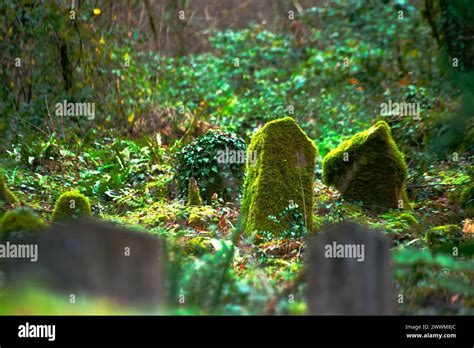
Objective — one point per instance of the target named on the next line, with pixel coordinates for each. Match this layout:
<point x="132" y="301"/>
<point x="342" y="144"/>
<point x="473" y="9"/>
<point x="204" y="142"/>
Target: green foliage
<point x="201" y="217"/>
<point x="330" y="69"/>
<point x="6" y="195"/>
<point x="408" y="218"/>
<point x="197" y="246"/>
<point x="422" y="274"/>
<point x="466" y="198"/>
<point x="53" y="59"/>
<point x="198" y="221"/>
<point x="448" y="234"/>
<point x="71" y="205"/>
<point x="283" y="172"/>
<point x="295" y="229"/>
<point x="120" y="162"/>
<point x="368" y="168"/>
<point x="200" y="160"/>
<point x="202" y="282"/>
<point x="454" y="131"/>
<point x="401" y="226"/>
<point x="20" y="220"/>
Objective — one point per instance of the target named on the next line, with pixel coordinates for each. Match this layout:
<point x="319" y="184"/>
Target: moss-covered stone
<point x="194" y="196"/>
<point x="163" y="217"/>
<point x="198" y="221"/>
<point x="71" y="205"/>
<point x="200" y="217"/>
<point x="283" y="172"/>
<point x="450" y="234"/>
<point x="197" y="246"/>
<point x="6" y="195"/>
<point x="369" y="168"/>
<point x="20" y="220"/>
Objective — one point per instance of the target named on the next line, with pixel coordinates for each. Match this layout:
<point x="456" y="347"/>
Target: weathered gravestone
<point x="283" y="173"/>
<point x="369" y="168"/>
<point x="88" y="258"/>
<point x="349" y="272"/>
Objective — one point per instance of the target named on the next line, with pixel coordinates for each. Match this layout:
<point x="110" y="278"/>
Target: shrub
<point x="71" y="205"/>
<point x="199" y="160"/>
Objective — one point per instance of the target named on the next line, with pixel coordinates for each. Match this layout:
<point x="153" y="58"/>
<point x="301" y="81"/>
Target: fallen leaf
<point x="468" y="226"/>
<point x="354" y="81"/>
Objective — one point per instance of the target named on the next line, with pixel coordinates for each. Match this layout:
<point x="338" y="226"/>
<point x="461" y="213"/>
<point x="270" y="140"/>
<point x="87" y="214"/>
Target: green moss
<point x="20" y="220"/>
<point x="194" y="196"/>
<point x="463" y="198"/>
<point x="163" y="218"/>
<point x="466" y="199"/>
<point x="198" y="221"/>
<point x="6" y="195"/>
<point x="368" y="168"/>
<point x="200" y="217"/>
<point x="71" y="205"/>
<point x="196" y="246"/>
<point x="408" y="218"/>
<point x="283" y="172"/>
<point x="450" y="234"/>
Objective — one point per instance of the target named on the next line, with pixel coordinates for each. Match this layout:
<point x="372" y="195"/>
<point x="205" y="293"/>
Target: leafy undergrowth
<point x="331" y="69"/>
<point x="260" y="276"/>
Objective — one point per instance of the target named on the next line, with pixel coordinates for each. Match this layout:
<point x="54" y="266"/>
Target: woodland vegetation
<point x="125" y="107"/>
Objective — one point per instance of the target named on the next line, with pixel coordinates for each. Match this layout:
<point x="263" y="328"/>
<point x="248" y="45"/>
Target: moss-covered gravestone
<point x="369" y="168"/>
<point x="21" y="220"/>
<point x="71" y="205"/>
<point x="282" y="172"/>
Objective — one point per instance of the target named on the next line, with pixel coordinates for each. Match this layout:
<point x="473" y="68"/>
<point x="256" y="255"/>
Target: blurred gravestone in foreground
<point x="349" y="272"/>
<point x="88" y="258"/>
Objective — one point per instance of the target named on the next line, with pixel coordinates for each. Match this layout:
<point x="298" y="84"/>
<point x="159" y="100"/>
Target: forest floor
<point x="261" y="274"/>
